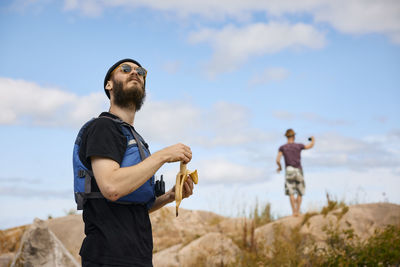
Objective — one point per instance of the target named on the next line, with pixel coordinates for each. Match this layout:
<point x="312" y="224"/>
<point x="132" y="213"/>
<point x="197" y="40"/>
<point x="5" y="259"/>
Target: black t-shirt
<point x="116" y="234"/>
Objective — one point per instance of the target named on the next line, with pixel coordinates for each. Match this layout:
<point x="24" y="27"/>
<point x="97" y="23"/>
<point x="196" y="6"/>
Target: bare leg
<point x="298" y="204"/>
<point x="293" y="204"/>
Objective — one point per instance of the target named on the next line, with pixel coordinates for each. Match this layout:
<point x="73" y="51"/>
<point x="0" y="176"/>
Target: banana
<point x="181" y="177"/>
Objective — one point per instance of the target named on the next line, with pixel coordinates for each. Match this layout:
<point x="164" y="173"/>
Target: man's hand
<point x="169" y="196"/>
<point x="278" y="161"/>
<point x="178" y="152"/>
<point x="311" y="144"/>
<point x="187" y="190"/>
<point x="279" y="169"/>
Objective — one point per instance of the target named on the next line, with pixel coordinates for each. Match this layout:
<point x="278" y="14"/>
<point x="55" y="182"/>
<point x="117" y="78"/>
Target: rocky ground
<point x="193" y="237"/>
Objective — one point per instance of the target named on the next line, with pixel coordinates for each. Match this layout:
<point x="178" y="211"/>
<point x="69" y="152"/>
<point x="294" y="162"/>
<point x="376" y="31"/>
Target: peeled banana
<point x="181" y="177"/>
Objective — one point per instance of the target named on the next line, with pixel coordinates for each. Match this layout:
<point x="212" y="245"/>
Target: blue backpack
<point x="136" y="151"/>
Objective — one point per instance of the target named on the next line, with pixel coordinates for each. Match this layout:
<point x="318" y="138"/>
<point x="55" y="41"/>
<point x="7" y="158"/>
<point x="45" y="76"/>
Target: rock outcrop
<point x="10" y="241"/>
<point x="193" y="238"/>
<point x="364" y="219"/>
<point x="212" y="249"/>
<point x="70" y="231"/>
<point x="40" y="247"/>
<point x="169" y="230"/>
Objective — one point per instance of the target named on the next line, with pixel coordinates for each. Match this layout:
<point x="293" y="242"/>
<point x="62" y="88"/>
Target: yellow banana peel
<point x="181" y="177"/>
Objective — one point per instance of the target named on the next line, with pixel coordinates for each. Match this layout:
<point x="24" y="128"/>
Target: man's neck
<point x="290" y="140"/>
<point x="125" y="114"/>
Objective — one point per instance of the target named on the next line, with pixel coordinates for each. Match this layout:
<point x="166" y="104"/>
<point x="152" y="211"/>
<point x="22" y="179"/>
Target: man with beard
<point x="113" y="164"/>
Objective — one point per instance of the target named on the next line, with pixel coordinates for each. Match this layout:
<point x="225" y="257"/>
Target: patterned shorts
<point x="294" y="181"/>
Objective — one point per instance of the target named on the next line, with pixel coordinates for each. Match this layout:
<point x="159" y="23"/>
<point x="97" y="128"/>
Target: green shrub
<point x="344" y="248"/>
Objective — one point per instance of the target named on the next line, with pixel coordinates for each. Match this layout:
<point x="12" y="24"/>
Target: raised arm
<point x="278" y="161"/>
<point x="311" y="144"/>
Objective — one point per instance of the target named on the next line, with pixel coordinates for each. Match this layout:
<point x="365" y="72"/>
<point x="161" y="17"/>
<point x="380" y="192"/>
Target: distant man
<point x="294" y="180"/>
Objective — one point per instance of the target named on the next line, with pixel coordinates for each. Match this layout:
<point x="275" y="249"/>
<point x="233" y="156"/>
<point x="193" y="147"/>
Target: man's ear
<point x="109" y="85"/>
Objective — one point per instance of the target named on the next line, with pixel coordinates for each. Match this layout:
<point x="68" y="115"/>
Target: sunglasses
<point x="126" y="68"/>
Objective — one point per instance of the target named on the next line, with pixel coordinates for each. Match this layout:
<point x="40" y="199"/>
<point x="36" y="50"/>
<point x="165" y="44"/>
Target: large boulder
<point x="212" y="249"/>
<point x="169" y="230"/>
<point x="6" y="259"/>
<point x="40" y="247"/>
<point x="70" y="231"/>
<point x="364" y="219"/>
<point x="167" y="257"/>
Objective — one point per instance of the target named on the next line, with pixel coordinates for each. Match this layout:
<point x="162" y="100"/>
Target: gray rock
<point x="212" y="249"/>
<point x="6" y="259"/>
<point x="40" y="247"/>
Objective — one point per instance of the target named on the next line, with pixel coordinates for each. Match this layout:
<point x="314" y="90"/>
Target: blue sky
<point x="225" y="77"/>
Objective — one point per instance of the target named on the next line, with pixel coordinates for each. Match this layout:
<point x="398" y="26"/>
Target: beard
<point x="128" y="97"/>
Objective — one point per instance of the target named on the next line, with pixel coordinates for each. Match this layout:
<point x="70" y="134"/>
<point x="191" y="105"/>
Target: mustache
<point x="134" y="78"/>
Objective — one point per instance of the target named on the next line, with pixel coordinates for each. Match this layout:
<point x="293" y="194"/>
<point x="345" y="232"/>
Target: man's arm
<point x="169" y="197"/>
<point x="278" y="161"/>
<point x="115" y="182"/>
<point x="311" y="144"/>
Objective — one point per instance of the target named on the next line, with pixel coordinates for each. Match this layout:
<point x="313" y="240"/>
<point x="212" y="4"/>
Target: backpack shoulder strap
<point x="139" y="141"/>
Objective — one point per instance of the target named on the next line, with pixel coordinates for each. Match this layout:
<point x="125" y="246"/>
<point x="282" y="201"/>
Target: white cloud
<point x="391" y="136"/>
<point x="172" y="67"/>
<point x="26" y="102"/>
<point x="362" y="17"/>
<point x="31" y="192"/>
<point x="381" y="119"/>
<point x="348" y="16"/>
<point x="225" y="124"/>
<point x="228" y="116"/>
<point x="233" y="45"/>
<point x="214" y="10"/>
<point x="313" y="117"/>
<point x="390" y="142"/>
<point x="19" y="180"/>
<point x="356" y="186"/>
<point x="310" y="117"/>
<point x="90" y="8"/>
<point x="221" y="171"/>
<point x="35" y="6"/>
<point x="70" y="4"/>
<point x="168" y="122"/>
<point x="283" y="115"/>
<point x="333" y="142"/>
<point x="269" y="75"/>
<point x="337" y="151"/>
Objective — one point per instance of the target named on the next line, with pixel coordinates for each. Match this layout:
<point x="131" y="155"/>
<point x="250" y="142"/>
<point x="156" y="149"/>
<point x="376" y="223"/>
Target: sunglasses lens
<point x="141" y="71"/>
<point x="126" y="68"/>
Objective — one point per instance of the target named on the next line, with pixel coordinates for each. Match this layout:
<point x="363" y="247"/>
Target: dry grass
<point x="291" y="247"/>
<point x="332" y="205"/>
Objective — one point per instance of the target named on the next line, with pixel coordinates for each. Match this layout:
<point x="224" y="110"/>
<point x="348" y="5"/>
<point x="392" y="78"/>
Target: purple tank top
<point x="292" y="154"/>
